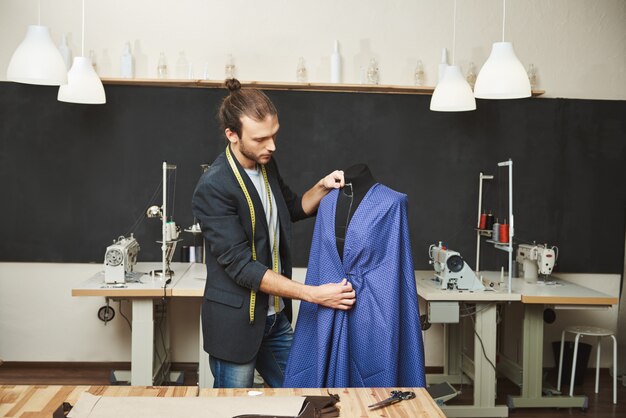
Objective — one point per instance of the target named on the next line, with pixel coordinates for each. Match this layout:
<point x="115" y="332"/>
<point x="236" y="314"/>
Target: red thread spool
<point x="504" y="232"/>
<point x="483" y="221"/>
<point x="489" y="221"/>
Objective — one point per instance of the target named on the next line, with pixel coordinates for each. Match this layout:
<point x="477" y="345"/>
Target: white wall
<point x="578" y="46"/>
<point x="41" y="321"/>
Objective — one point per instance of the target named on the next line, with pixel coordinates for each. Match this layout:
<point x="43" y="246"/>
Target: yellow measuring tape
<point x="231" y="161"/>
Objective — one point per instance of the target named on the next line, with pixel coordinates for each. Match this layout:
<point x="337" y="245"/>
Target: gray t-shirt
<point x="271" y="217"/>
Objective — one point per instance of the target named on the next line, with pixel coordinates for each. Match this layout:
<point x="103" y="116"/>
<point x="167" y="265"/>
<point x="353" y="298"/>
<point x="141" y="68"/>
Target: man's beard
<point x="249" y="155"/>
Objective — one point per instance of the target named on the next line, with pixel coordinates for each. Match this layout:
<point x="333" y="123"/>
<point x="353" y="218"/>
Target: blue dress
<point x="378" y="343"/>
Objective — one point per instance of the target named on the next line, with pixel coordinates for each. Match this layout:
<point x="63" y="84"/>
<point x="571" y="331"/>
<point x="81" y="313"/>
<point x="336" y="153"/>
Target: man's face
<point x="257" y="142"/>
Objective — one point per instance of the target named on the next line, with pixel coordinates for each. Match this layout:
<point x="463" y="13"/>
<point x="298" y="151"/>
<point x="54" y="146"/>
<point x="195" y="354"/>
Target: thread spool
<point x="504" y="232"/>
<point x="489" y="221"/>
<point x="192" y="254"/>
<point x="482" y="224"/>
<point x="184" y="254"/>
<point x="495" y="234"/>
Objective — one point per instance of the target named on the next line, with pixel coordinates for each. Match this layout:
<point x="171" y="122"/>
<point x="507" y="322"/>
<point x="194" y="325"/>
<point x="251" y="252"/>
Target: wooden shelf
<point x="268" y="85"/>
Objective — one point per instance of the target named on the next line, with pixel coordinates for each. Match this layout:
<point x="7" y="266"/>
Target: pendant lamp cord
<point x="454" y="33"/>
<point x="83" y="34"/>
<point x="503" y="17"/>
<point x="162" y="24"/>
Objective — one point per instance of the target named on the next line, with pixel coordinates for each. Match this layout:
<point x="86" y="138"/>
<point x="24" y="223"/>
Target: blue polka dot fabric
<point x="378" y="343"/>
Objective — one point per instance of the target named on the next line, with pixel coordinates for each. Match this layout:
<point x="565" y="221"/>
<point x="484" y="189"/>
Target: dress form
<point x="358" y="180"/>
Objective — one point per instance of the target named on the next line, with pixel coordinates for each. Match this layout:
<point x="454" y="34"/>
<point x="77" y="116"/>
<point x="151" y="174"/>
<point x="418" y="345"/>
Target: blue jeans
<point x="270" y="361"/>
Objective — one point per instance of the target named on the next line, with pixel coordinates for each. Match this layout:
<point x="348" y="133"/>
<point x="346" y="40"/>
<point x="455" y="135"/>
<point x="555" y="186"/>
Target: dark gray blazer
<point x="220" y="206"/>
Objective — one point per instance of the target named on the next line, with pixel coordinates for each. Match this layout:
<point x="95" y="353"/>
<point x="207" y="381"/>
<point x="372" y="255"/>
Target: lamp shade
<point x="453" y="93"/>
<point x="37" y="60"/>
<point x="503" y="76"/>
<point x="83" y="84"/>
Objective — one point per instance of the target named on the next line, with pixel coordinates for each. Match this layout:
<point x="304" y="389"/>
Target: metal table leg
<point x="142" y="342"/>
<point x="205" y="377"/>
<point x="532" y="374"/>
<point x="483" y="372"/>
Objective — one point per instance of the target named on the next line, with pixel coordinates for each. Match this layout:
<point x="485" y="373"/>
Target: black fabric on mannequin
<point x="359" y="180"/>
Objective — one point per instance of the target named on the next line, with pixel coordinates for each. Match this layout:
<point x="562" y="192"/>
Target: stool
<point x="590" y="331"/>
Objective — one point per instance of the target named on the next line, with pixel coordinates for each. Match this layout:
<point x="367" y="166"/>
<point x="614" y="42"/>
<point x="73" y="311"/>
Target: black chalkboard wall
<point x="74" y="177"/>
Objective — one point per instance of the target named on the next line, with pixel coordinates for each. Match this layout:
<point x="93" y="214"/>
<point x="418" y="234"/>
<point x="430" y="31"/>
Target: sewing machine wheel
<point x="106" y="313"/>
<point x="455" y="263"/>
<point x="114" y="257"/>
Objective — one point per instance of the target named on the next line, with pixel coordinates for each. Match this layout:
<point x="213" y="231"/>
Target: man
<point x="245" y="211"/>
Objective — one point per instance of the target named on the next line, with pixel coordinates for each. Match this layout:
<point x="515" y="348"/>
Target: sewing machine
<point x="451" y="270"/>
<point x="120" y="259"/>
<point x="534" y="260"/>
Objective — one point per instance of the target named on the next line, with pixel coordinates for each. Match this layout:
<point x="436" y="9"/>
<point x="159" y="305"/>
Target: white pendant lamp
<point x="503" y="76"/>
<point x="37" y="59"/>
<point x="453" y="93"/>
<point x="83" y="84"/>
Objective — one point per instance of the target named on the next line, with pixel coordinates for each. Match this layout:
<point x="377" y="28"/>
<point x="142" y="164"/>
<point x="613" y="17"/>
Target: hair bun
<point x="233" y="85"/>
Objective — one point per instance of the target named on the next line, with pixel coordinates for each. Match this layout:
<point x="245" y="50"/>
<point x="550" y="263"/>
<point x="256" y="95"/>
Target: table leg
<point x="532" y="374"/>
<point x="142" y="343"/>
<point x="485" y="339"/>
<point x="452" y="372"/>
<point x="484" y="373"/>
<point x="205" y="377"/>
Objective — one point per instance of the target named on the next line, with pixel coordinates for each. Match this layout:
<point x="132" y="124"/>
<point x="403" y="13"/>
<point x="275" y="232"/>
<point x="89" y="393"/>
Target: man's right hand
<point x="334" y="295"/>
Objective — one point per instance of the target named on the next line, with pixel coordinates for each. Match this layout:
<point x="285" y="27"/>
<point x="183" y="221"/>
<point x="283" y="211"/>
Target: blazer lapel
<point x="254" y="196"/>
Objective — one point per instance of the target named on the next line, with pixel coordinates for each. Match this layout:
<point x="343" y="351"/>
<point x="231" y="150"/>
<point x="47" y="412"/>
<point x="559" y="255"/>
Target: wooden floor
<point x="600" y="405"/>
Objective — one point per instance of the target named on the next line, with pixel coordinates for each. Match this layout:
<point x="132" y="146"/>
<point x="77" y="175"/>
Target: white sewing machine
<point x="451" y="270"/>
<point x="534" y="260"/>
<point x="120" y="258"/>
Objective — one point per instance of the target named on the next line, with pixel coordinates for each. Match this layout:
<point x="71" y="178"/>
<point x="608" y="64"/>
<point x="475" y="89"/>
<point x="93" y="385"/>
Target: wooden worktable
<point x="560" y="292"/>
<point x="40" y="401"/>
<point x="354" y="401"/>
<point x="31" y="401"/>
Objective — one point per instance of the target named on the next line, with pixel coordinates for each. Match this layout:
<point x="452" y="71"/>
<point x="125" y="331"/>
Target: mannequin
<point x="377" y="343"/>
<point x="359" y="180"/>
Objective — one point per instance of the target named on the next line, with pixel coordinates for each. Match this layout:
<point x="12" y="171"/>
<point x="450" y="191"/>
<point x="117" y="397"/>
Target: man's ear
<point x="232" y="137"/>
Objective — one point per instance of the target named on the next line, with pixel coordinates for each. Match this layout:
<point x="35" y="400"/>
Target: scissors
<point x="396" y="396"/>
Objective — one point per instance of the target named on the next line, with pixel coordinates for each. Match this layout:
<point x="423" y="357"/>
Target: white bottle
<point x="419" y="75"/>
<point x="162" y="66"/>
<point x="92" y="58"/>
<point x="127" y="68"/>
<point x="373" y="75"/>
<point x="182" y="66"/>
<point x="190" y="73"/>
<point x="205" y="74"/>
<point x="335" y="65"/>
<point x="443" y="64"/>
<point x="66" y="52"/>
<point x="229" y="68"/>
<point x="471" y="75"/>
<point x="301" y="75"/>
<point x="532" y="76"/>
